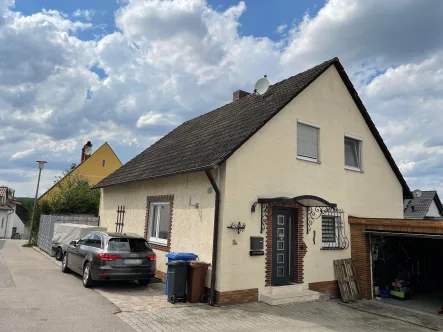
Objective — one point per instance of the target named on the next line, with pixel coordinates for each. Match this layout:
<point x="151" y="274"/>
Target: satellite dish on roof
<point x="261" y="86"/>
<point x="417" y="193"/>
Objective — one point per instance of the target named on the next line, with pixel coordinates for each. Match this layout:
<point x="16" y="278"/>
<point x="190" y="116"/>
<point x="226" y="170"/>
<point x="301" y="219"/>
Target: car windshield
<point x="125" y="244"/>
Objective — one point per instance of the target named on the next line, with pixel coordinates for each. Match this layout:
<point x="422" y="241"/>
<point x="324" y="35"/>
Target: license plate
<point x="132" y="261"/>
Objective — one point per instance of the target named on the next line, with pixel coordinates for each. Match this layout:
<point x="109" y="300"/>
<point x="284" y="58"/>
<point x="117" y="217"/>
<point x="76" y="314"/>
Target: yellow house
<point x="93" y="166"/>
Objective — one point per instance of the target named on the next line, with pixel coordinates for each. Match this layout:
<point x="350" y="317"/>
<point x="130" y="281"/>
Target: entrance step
<point x="288" y="294"/>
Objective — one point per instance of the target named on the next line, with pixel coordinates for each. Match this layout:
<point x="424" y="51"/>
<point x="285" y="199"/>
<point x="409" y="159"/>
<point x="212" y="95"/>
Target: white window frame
<point x="155" y="239"/>
<point x="309" y="124"/>
<point x="360" y="142"/>
<point x="337" y="230"/>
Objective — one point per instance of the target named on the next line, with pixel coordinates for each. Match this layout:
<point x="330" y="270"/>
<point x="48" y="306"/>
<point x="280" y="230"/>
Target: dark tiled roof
<point x="210" y="139"/>
<point x="417" y="207"/>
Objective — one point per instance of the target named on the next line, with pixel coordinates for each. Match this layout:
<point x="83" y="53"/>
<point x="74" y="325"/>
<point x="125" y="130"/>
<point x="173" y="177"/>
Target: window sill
<point x="158" y="243"/>
<point x="332" y="248"/>
<point x="354" y="169"/>
<point x="315" y="161"/>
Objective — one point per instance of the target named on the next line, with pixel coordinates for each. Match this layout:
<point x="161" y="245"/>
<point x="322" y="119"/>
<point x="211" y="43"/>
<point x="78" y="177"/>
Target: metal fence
<point x="46" y="227"/>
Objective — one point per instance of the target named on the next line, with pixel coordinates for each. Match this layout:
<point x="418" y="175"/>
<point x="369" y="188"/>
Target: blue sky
<point x="260" y="19"/>
<point x="129" y="71"/>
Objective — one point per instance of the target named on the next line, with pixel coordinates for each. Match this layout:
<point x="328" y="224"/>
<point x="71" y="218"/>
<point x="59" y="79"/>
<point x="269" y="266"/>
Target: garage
<point x="399" y="261"/>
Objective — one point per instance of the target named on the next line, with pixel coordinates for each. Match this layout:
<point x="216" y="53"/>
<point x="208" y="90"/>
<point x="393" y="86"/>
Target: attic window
<point x="307" y="142"/>
<point x="352" y="154"/>
<point x="103" y="163"/>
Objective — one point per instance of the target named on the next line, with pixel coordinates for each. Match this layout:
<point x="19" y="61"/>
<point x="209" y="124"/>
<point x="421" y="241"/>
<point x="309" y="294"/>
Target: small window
<point x="3" y="220"/>
<point x="307" y="142"/>
<point x="352" y="154"/>
<point x="329" y="235"/>
<point x="103" y="163"/>
<point x="159" y="222"/>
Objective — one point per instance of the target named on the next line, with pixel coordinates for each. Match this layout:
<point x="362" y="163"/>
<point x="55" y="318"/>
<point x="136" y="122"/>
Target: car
<point x="103" y="256"/>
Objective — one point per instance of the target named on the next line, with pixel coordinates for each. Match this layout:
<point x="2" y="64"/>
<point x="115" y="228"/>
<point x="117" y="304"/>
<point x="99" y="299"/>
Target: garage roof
<point x="402" y="234"/>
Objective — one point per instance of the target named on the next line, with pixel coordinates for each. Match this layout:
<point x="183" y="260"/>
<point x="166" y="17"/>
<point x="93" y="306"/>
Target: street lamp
<point x="41" y="163"/>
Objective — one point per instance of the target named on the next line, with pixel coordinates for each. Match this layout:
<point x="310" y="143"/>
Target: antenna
<point x="261" y="86"/>
<point x="417" y="193"/>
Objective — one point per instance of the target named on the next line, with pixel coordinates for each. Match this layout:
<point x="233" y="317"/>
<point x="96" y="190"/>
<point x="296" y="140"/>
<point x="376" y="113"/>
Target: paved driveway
<point x="146" y="309"/>
<point x="36" y="296"/>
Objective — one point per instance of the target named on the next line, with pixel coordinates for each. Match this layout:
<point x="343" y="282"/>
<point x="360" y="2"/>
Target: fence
<point x="46" y="228"/>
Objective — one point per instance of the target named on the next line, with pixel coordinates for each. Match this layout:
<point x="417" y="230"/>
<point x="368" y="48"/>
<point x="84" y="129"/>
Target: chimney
<point x="86" y="151"/>
<point x="239" y="94"/>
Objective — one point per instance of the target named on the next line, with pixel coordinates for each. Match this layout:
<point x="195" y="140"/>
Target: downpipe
<point x="215" y="235"/>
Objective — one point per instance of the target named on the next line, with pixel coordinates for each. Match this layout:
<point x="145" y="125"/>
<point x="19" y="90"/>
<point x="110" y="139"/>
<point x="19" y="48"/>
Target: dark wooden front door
<point x="282" y="255"/>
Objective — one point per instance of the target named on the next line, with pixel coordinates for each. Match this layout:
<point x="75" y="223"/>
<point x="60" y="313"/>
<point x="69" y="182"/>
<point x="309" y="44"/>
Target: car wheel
<point x="144" y="282"/>
<point x="65" y="268"/>
<point x="173" y="299"/>
<point x="59" y="254"/>
<point x="87" y="281"/>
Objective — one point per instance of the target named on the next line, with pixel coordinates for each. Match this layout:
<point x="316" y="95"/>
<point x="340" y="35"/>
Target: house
<point x="93" y="166"/>
<point x="262" y="188"/>
<point x="424" y="205"/>
<point x="12" y="215"/>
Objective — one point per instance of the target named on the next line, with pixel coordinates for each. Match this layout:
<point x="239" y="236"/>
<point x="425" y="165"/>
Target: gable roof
<point x="418" y="207"/>
<point x="82" y="163"/>
<point x="210" y="139"/>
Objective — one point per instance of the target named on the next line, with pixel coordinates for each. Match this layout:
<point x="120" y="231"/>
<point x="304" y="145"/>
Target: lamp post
<point x="41" y="163"/>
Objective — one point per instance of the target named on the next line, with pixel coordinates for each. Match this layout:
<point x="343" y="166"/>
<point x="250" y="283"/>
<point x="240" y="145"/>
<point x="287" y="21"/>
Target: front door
<point x="282" y="255"/>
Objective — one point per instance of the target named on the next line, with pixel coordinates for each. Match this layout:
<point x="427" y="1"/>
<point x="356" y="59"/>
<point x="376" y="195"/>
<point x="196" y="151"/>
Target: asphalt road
<point x="36" y="296"/>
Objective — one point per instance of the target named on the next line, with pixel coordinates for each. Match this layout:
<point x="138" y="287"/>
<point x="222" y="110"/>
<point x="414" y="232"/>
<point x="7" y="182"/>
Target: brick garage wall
<point x="237" y="296"/>
<point x="163" y="199"/>
<point x="360" y="250"/>
<point x="326" y="287"/>
<point x="298" y="245"/>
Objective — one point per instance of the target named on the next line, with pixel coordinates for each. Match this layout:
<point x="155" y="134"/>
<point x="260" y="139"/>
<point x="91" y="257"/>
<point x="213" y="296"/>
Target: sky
<point x="127" y="72"/>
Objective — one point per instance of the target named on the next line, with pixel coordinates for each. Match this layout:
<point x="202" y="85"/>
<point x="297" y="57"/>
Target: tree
<point x="74" y="195"/>
<point x="65" y="172"/>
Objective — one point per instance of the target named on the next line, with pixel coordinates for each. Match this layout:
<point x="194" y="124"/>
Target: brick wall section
<point x="298" y="245"/>
<point x="360" y="250"/>
<point x="165" y="199"/>
<point x="237" y="296"/>
<point x="326" y="287"/>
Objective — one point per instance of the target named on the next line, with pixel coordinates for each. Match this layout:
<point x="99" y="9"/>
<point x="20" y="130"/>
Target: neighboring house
<point x="290" y="166"/>
<point x="93" y="166"/>
<point x="12" y="215"/>
<point x="426" y="206"/>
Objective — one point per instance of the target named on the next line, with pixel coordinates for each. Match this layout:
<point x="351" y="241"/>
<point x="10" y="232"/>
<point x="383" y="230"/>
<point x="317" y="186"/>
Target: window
<point x="95" y="241"/>
<point x="103" y="163"/>
<point x="330" y="235"/>
<point x="2" y="200"/>
<point x="352" y="154"/>
<point x="3" y="220"/>
<point x="307" y="142"/>
<point x="159" y="222"/>
<point x="84" y="239"/>
<point x="127" y="244"/>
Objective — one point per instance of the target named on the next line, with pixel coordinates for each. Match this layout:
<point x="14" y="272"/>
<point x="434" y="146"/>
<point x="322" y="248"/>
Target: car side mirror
<point x="73" y="243"/>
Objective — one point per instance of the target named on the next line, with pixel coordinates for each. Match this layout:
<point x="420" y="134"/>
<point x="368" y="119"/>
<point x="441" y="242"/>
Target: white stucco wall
<point x="433" y="210"/>
<point x="266" y="166"/>
<point x="9" y="222"/>
<point x="192" y="228"/>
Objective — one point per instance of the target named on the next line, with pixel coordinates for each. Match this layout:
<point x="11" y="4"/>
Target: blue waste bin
<point x="178" y="256"/>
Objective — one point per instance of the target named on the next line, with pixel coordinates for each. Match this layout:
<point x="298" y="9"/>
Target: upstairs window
<point x="352" y="154"/>
<point x="103" y="163"/>
<point x="307" y="142"/>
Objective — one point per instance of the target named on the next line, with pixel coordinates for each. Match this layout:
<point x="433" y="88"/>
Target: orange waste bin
<point x="196" y="280"/>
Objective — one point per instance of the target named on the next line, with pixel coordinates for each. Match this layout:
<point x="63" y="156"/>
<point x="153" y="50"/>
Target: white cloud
<point x="281" y="28"/>
<point x="172" y="60"/>
<point x="85" y="13"/>
<point x="22" y="154"/>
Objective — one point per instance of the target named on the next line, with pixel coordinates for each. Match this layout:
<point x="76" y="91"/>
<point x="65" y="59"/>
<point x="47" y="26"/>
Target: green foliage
<point x="65" y="172"/>
<point x="27" y="245"/>
<point x="74" y="195"/>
